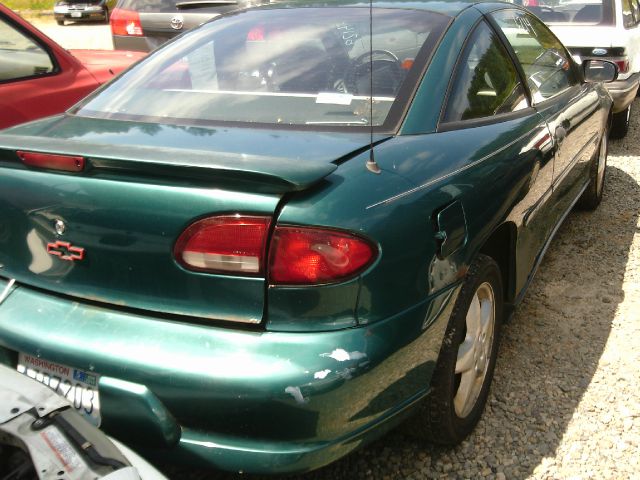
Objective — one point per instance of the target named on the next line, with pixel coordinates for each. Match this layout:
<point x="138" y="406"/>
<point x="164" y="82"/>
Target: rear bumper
<point x="256" y="401"/>
<point x="98" y="15"/>
<point x="623" y="92"/>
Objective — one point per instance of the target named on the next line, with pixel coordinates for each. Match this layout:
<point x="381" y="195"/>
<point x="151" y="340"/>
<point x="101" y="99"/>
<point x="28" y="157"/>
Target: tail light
<point x="224" y="244"/>
<point x="236" y="244"/>
<point x="125" y="22"/>
<point x="623" y="65"/>
<point x="66" y="163"/>
<point x="305" y="256"/>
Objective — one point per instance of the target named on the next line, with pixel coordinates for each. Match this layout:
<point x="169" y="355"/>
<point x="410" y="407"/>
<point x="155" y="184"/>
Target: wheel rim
<point x="602" y="163"/>
<point x="628" y="115"/>
<point x="474" y="353"/>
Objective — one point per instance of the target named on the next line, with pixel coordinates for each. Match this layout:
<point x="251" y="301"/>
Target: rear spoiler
<point x="274" y="174"/>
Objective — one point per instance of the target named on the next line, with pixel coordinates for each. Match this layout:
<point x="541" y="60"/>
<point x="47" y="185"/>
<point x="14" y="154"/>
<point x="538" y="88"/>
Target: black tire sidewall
<point x="484" y="269"/>
<point x="620" y="123"/>
<point x="592" y="197"/>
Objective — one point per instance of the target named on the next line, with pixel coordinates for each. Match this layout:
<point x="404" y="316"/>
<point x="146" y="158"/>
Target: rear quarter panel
<point x="491" y="170"/>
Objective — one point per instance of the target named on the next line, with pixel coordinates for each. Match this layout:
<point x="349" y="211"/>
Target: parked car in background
<point x="80" y="10"/>
<point x="39" y="78"/>
<point x="282" y="233"/>
<point x="145" y="24"/>
<point x="601" y="29"/>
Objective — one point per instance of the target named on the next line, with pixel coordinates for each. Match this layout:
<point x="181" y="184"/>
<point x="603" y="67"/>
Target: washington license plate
<point x="79" y="387"/>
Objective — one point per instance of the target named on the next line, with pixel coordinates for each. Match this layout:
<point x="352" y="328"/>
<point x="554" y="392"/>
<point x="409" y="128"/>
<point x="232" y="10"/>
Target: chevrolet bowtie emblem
<point x="65" y="251"/>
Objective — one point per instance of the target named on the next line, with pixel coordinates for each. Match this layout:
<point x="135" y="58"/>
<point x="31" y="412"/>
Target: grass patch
<point x="29" y="4"/>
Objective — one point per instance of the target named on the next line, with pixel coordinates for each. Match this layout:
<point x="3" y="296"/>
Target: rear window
<point x="280" y="67"/>
<point x="161" y="6"/>
<point x="579" y="12"/>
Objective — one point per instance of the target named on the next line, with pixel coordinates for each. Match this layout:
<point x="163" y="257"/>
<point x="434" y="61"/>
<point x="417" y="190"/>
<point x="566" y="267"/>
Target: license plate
<point x="76" y="14"/>
<point x="79" y="387"/>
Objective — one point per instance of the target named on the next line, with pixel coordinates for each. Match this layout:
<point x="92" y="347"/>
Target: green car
<point x="281" y="234"/>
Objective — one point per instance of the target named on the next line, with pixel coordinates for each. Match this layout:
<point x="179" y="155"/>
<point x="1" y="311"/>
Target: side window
<point x="485" y="82"/>
<point x="636" y="11"/>
<point x="546" y="63"/>
<point x="20" y="56"/>
<point x="629" y="14"/>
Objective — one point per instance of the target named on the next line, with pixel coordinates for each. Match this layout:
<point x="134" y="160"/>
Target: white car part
<point x="57" y="441"/>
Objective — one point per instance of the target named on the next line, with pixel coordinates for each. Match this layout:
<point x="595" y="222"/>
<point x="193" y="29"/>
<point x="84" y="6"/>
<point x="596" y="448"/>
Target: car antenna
<point x="372" y="166"/>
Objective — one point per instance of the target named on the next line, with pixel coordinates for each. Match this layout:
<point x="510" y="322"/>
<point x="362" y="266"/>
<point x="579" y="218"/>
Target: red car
<point x="38" y="77"/>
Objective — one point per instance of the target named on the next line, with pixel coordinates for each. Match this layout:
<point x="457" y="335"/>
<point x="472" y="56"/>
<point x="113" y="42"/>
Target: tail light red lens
<point x="224" y="244"/>
<point x="623" y="65"/>
<point x="125" y="22"/>
<point x="305" y="256"/>
<point x="66" y="163"/>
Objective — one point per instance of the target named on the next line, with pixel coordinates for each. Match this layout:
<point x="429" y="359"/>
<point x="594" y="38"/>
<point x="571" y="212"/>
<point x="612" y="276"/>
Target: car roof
<point x="449" y="8"/>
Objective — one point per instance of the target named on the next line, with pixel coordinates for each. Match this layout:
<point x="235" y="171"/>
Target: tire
<point x="106" y="15"/>
<point x="445" y="417"/>
<point x="592" y="196"/>
<point x="60" y="22"/>
<point x="620" y="123"/>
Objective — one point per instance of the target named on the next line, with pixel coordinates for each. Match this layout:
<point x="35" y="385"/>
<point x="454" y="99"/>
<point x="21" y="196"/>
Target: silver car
<point x="144" y="25"/>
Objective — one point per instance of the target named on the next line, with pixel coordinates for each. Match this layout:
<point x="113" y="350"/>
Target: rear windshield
<point x="171" y="6"/>
<point x="280" y="66"/>
<point x="148" y="5"/>
<point x="580" y="12"/>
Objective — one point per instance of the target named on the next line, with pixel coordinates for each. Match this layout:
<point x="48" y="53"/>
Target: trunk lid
<point x="105" y="64"/>
<point x="142" y="185"/>
<point x="588" y="36"/>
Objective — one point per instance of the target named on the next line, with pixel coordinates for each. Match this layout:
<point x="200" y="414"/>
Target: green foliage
<point x="35" y="5"/>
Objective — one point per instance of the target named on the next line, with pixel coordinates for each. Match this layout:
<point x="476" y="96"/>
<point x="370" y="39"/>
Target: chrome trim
<point x="177" y="22"/>
<point x="7" y="290"/>
<point x="448" y="175"/>
<point x="60" y="227"/>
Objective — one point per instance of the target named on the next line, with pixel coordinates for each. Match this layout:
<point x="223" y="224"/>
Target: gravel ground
<point x="565" y="401"/>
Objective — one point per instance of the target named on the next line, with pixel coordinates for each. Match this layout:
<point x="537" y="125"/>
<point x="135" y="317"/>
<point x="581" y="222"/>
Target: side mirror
<point x="599" y="71"/>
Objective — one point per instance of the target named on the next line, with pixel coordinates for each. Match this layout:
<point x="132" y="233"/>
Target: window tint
<point x="546" y="63"/>
<point x="485" y="81"/>
<point x="629" y="14"/>
<point x="280" y="67"/>
<point x="183" y="6"/>
<point x="148" y="5"/>
<point x="635" y="7"/>
<point x="20" y="56"/>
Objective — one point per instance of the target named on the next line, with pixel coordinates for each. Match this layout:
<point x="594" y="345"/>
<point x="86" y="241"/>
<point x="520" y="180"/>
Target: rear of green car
<point x="213" y="288"/>
<point x="231" y="368"/>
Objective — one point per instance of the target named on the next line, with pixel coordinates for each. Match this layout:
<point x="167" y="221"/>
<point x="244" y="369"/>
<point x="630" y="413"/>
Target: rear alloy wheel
<point x="461" y="380"/>
<point x="620" y="123"/>
<point x="592" y="196"/>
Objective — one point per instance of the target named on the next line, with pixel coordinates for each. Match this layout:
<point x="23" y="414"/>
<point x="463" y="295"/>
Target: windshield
<point x="581" y="12"/>
<point x="297" y="67"/>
